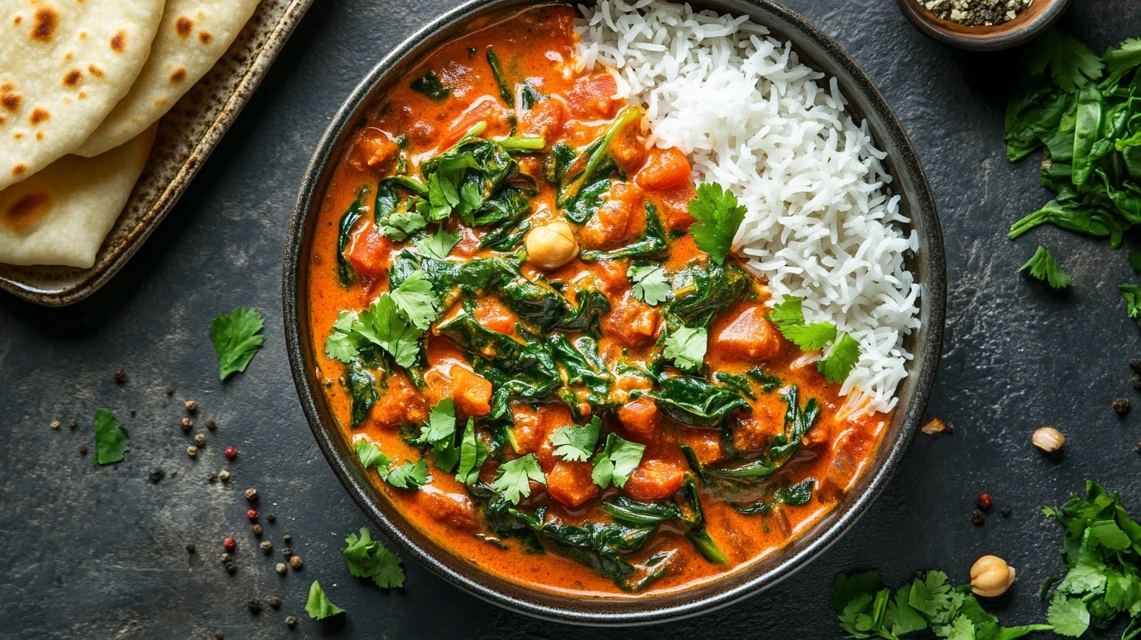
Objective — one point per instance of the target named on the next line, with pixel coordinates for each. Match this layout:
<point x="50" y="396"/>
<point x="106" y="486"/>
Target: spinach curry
<point x="519" y="333"/>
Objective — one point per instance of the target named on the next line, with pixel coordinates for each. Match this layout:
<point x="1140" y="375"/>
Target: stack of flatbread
<point x="82" y="85"/>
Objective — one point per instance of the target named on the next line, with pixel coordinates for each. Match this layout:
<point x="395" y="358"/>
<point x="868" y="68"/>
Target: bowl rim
<point x="811" y="543"/>
<point x="986" y="39"/>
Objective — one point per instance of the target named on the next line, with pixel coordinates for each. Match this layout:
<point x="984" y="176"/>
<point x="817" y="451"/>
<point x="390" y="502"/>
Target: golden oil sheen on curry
<point x="519" y="332"/>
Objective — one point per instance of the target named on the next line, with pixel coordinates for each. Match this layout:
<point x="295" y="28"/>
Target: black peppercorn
<point x="82" y="449"/>
<point x="254" y="606"/>
<point x="190" y="548"/>
<point x="211" y="425"/>
<point x="1135" y="364"/>
<point x="156" y="475"/>
<point x="273" y="601"/>
<point x="287" y="538"/>
<point x="1135" y="381"/>
<point x="291" y="622"/>
<point x="978" y="517"/>
<point x="231" y="568"/>
<point x="269" y="517"/>
<point x="120" y="376"/>
<point x="1121" y="406"/>
<point x="1006" y="512"/>
<point x="218" y="635"/>
<point x="170" y="392"/>
<point x="72" y="424"/>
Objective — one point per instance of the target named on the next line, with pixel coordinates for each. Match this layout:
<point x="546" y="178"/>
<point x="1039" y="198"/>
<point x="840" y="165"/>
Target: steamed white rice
<point x="821" y="222"/>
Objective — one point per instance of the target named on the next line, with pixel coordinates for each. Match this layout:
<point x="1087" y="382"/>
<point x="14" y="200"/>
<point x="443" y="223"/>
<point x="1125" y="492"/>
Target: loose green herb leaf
<point x="473" y="453"/>
<point x="416" y="300"/>
<point x="1069" y="616"/>
<point x="1043" y="267"/>
<point x="686" y="347"/>
<point x="840" y="360"/>
<point x="1132" y="295"/>
<point x="812" y="337"/>
<point x="382" y="325"/>
<point x="1135" y="261"/>
<point x="1072" y="65"/>
<point x="438" y="245"/>
<point x="236" y="339"/>
<point x="440" y="432"/>
<point x="399" y="225"/>
<point x="576" y="443"/>
<point x="318" y="606"/>
<point x="368" y="558"/>
<point x="514" y="477"/>
<point x="408" y="476"/>
<point x="341" y="345"/>
<point x="788" y="311"/>
<point x="429" y="84"/>
<point x="616" y="462"/>
<point x="371" y="456"/>
<point x="718" y="218"/>
<point x="111" y="440"/>
<point x="650" y="284"/>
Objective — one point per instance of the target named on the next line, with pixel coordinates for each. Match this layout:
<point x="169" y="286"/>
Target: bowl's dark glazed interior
<point x="816" y="50"/>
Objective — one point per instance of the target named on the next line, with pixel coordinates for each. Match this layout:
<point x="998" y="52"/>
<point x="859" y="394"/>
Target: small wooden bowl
<point x="1029" y="23"/>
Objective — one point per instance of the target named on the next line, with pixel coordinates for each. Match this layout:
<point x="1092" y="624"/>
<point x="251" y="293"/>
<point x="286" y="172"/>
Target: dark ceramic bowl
<point x="815" y="49"/>
<point x="1022" y="29"/>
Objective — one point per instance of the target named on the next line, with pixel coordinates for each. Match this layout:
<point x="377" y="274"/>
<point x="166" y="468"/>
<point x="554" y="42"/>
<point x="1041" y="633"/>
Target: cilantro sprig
<point x="616" y="462"/>
<point x="406" y="475"/>
<point x="514" y="477"/>
<point x="394" y="322"/>
<point x="844" y="353"/>
<point x="718" y="218"/>
<point x="1044" y="267"/>
<point x="575" y="443"/>
<point x="686" y="346"/>
<point x="111" y="440"/>
<point x="318" y="606"/>
<point x="369" y="558"/>
<point x="650" y="284"/>
<point x="236" y="339"/>
<point x="438" y="245"/>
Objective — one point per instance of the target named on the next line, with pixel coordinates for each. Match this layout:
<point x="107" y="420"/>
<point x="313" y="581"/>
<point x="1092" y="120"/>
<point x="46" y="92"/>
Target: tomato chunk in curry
<point x="520" y="335"/>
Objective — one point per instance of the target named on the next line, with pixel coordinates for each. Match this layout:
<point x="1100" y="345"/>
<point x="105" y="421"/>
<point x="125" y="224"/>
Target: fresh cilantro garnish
<point x="616" y="462"/>
<point x="1072" y="65"/>
<point x="811" y="337"/>
<point x="650" y="284"/>
<point x="407" y="475"/>
<point x="397" y="226"/>
<point x="440" y="432"/>
<point x="576" y="443"/>
<point x="718" y="218"/>
<point x="236" y="340"/>
<point x="868" y="610"/>
<point x="341" y="344"/>
<point x="382" y="325"/>
<point x="1043" y="267"/>
<point x="111" y="440"/>
<point x="318" y="606"/>
<point x="790" y="310"/>
<point x="416" y="300"/>
<point x="1069" y="616"/>
<point x="438" y="245"/>
<point x="368" y="558"/>
<point x="514" y="477"/>
<point x="473" y="453"/>
<point x="1132" y="295"/>
<point x="840" y="360"/>
<point x="686" y="347"/>
<point x="371" y="456"/>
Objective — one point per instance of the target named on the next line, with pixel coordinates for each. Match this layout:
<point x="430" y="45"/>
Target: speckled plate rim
<point x="117" y="251"/>
<point x="926" y="344"/>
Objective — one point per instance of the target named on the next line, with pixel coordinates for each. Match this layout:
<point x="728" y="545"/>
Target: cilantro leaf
<point x="1135" y="261"/>
<point x="1132" y="295"/>
<point x="341" y="344"/>
<point x="111" y="440"/>
<point x="686" y="347"/>
<point x="575" y="443"/>
<point x="718" y="218"/>
<point x="236" y="340"/>
<point x="408" y="476"/>
<point x="1120" y="59"/>
<point x="812" y="337"/>
<point x="1043" y="267"/>
<point x="440" y="432"/>
<point x="416" y="300"/>
<point x="1072" y="65"/>
<point x="650" y="284"/>
<point x="840" y="360"/>
<point x="1068" y="615"/>
<point x="473" y="453"/>
<point x="790" y="310"/>
<point x="397" y="226"/>
<point x="438" y="245"/>
<point x="371" y="456"/>
<point x="616" y="462"/>
<point x="368" y="558"/>
<point x="318" y="606"/>
<point x="513" y="479"/>
<point x="382" y="325"/>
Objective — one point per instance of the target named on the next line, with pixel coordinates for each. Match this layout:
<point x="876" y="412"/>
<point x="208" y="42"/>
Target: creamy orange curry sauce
<point x="520" y="336"/>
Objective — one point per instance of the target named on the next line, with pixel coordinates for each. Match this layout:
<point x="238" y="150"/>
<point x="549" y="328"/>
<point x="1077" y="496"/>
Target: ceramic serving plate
<point x="186" y="137"/>
<point x="816" y="50"/>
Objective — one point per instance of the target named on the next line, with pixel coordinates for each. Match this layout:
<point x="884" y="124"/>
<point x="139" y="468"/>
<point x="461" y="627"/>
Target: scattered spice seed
<point x="200" y="440"/>
<point x="72" y="424"/>
<point x="1048" y="439"/>
<point x="252" y="514"/>
<point x="218" y="635"/>
<point x="231" y="568"/>
<point x="288" y="551"/>
<point x="978" y="517"/>
<point x="266" y="546"/>
<point x="192" y="451"/>
<point x="230" y="543"/>
<point x="1121" y="406"/>
<point x="211" y="425"/>
<point x="1006" y="512"/>
<point x="191" y="406"/>
<point x="257" y="530"/>
<point x="231" y="452"/>
<point x="132" y="412"/>
<point x="295" y="562"/>
<point x="169" y="390"/>
<point x="281" y="568"/>
<point x="185" y="424"/>
<point x="225" y="557"/>
<point x="270" y="518"/>
<point x="224" y="475"/>
<point x="212" y="478"/>
<point x="287" y="538"/>
<point x="254" y="606"/>
<point x="156" y="475"/>
<point x="251" y="494"/>
<point x="274" y="602"/>
<point x="985" y="501"/>
<point x="82" y="449"/>
<point x="934" y="426"/>
<point x="291" y="622"/>
<point x="55" y="424"/>
<point x="120" y="376"/>
<point x="1135" y="364"/>
<point x="190" y="548"/>
<point x="1135" y="381"/>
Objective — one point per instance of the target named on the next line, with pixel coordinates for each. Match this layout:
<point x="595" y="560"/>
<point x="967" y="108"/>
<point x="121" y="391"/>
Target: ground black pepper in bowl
<point x="976" y="13"/>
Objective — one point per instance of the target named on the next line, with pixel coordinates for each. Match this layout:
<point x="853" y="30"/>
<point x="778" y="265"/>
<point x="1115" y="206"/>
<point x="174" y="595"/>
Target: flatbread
<point x="64" y="64"/>
<point x="61" y="215"/>
<point x="192" y="36"/>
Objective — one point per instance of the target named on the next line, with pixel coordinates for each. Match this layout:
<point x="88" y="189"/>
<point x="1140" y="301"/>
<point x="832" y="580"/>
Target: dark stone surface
<point x="98" y="552"/>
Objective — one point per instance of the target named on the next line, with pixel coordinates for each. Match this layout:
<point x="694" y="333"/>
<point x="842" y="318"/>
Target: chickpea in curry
<point x="531" y="353"/>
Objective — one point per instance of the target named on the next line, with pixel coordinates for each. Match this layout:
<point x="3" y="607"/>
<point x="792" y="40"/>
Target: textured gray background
<point x="98" y="552"/>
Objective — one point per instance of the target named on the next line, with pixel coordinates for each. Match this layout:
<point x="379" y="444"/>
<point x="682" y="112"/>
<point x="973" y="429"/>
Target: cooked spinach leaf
<point x="651" y="243"/>
<point x="345" y="235"/>
<point x="587" y="178"/>
<point x="363" y="391"/>
<point x="505" y="91"/>
<point x="693" y="401"/>
<point x="429" y="84"/>
<point x="703" y="290"/>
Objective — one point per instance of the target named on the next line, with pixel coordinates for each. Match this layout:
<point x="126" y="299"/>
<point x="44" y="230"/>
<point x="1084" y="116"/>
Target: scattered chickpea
<point x="991" y="576"/>
<point x="1048" y="439"/>
<point x="551" y="245"/>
